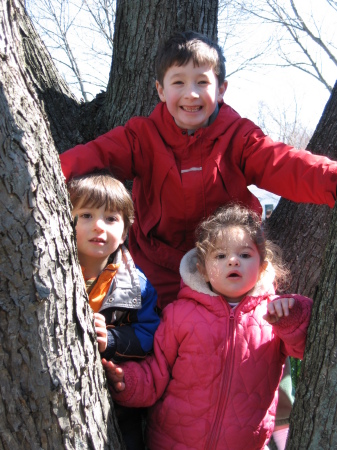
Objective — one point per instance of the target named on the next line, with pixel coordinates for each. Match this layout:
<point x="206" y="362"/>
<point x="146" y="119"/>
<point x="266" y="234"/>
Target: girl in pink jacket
<point x="219" y="350"/>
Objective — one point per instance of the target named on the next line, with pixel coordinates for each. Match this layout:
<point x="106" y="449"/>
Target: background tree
<point x="64" y="25"/>
<point x="284" y="127"/>
<point x="303" y="39"/>
<point x="250" y="32"/>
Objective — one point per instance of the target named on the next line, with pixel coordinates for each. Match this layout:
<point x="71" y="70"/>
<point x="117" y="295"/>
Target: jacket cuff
<point x="110" y="350"/>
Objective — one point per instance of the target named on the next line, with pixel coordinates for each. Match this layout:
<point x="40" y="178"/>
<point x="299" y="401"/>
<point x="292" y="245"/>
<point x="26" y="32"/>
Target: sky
<point x="283" y="89"/>
<point x="279" y="87"/>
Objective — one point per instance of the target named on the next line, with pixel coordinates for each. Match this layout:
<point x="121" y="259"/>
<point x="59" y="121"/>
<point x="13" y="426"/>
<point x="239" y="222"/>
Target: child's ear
<point x="222" y="90"/>
<point x="263" y="267"/>
<point x="202" y="271"/>
<point x="160" y="90"/>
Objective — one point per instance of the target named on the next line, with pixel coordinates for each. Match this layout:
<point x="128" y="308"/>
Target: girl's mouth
<point x="233" y="275"/>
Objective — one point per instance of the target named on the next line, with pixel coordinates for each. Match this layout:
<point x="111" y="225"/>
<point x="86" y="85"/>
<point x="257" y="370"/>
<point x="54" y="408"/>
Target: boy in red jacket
<point x="193" y="154"/>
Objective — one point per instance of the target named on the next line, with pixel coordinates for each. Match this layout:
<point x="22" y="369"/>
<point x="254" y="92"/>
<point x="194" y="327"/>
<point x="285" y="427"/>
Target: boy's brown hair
<point x="102" y="188"/>
<point x="180" y="48"/>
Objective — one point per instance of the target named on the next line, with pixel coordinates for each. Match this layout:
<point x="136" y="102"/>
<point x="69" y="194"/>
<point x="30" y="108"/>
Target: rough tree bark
<point x="303" y="233"/>
<point x="53" y="391"/>
<point x="313" y="420"/>
<point x="139" y="28"/>
<point x="302" y="229"/>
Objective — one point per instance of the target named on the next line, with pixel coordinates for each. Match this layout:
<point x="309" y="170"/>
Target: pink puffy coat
<point x="179" y="179"/>
<point x="213" y="377"/>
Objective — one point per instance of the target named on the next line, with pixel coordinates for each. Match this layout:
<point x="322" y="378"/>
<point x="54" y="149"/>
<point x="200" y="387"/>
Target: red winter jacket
<point x="179" y="179"/>
<point x="214" y="373"/>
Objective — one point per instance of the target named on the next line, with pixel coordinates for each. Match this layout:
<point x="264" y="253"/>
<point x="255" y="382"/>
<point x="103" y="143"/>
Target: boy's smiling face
<point x="191" y="94"/>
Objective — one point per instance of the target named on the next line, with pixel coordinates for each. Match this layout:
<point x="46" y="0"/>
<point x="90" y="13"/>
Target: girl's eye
<point x="245" y="255"/>
<point x="86" y="215"/>
<point x="111" y="219"/>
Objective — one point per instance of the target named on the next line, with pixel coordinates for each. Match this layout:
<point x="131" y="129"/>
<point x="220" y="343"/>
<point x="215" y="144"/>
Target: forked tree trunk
<point x="140" y="26"/>
<point x="53" y="389"/>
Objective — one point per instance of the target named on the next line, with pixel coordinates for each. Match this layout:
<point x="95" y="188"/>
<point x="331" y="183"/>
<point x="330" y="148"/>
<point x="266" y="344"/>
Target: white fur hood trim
<point x="192" y="277"/>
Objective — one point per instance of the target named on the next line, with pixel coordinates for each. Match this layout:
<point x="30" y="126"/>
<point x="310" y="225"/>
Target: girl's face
<point x="233" y="267"/>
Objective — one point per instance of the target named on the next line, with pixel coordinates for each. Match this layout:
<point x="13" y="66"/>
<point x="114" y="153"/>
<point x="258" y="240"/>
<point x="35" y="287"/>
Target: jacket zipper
<point x="225" y="387"/>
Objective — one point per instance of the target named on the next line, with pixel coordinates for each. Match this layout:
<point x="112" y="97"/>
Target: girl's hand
<point x="101" y="331"/>
<point x="114" y="374"/>
<point x="278" y="308"/>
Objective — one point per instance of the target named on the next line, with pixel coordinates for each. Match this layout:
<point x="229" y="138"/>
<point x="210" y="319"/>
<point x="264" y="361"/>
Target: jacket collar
<point x="124" y="290"/>
<point x="191" y="277"/>
<point x="173" y="135"/>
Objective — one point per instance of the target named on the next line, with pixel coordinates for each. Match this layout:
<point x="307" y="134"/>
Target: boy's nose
<point x="99" y="224"/>
<point x="191" y="91"/>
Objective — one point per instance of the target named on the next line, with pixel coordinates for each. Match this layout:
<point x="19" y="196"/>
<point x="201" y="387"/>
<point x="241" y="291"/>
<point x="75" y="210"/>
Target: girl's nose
<point x="233" y="261"/>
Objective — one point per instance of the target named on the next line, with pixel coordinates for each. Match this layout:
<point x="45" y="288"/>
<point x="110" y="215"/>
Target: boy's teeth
<point x="196" y="108"/>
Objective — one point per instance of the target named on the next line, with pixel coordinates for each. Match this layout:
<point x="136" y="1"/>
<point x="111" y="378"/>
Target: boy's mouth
<point x="97" y="240"/>
<point x="191" y="108"/>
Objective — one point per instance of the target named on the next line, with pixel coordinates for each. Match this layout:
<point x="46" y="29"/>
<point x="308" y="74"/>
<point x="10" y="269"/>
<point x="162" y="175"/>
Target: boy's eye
<point x="86" y="215"/>
<point x="111" y="219"/>
<point x="203" y="82"/>
<point x="178" y="82"/>
<point x="220" y="256"/>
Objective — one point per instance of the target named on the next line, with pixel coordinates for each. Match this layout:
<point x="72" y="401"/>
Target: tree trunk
<point x="301" y="230"/>
<point x="303" y="233"/>
<point x="53" y="390"/>
<point x="313" y="420"/>
<point x="139" y="28"/>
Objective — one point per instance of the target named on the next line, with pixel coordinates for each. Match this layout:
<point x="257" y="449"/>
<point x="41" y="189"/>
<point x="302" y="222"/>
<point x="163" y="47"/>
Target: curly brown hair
<point x="235" y="215"/>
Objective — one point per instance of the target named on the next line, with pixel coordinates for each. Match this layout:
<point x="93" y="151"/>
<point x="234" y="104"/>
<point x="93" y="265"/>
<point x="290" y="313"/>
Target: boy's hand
<point x="101" y="331"/>
<point x="114" y="374"/>
<point x="278" y="308"/>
